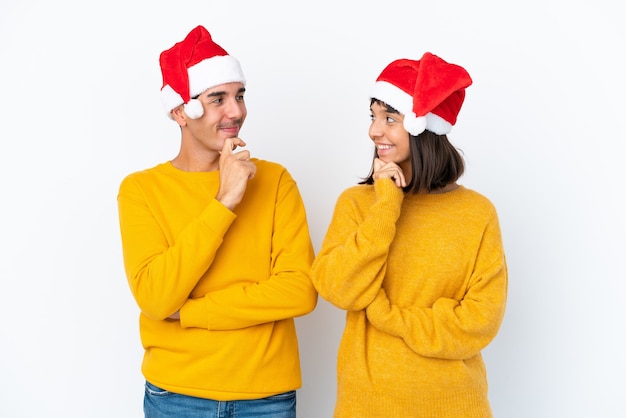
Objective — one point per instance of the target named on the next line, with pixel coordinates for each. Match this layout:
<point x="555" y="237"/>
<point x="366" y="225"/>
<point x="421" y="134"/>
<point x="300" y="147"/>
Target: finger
<point x="228" y="146"/>
<point x="237" y="142"/>
<point x="252" y="172"/>
<point x="243" y="155"/>
<point x="400" y="180"/>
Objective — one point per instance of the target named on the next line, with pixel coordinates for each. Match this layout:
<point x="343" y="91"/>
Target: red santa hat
<point x="429" y="92"/>
<point x="191" y="67"/>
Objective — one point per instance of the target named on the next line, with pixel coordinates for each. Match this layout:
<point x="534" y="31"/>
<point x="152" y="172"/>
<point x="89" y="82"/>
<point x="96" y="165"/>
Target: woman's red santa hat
<point x="429" y="92"/>
<point x="193" y="66"/>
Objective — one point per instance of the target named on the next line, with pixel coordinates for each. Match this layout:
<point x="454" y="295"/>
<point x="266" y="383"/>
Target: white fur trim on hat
<point x="437" y="124"/>
<point x="170" y="99"/>
<point x="214" y="71"/>
<point x="393" y="96"/>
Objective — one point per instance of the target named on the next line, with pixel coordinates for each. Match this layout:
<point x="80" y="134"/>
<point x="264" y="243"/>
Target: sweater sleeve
<point x="351" y="264"/>
<point x="287" y="293"/>
<point x="161" y="274"/>
<point x="453" y="329"/>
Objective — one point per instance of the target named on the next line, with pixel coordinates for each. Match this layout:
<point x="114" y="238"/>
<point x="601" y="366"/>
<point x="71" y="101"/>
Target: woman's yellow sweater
<point x="238" y="278"/>
<point x="423" y="279"/>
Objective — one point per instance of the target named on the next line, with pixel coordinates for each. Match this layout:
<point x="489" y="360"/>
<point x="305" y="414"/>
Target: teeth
<point x="381" y="146"/>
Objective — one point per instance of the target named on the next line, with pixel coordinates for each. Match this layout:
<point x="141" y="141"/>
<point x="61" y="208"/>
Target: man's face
<point x="224" y="114"/>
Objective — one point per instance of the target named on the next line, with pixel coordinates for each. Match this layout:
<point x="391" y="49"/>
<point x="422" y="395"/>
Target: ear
<point x="179" y="115"/>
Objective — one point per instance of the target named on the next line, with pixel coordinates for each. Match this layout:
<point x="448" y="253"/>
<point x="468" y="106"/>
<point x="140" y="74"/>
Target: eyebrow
<point x="221" y="93"/>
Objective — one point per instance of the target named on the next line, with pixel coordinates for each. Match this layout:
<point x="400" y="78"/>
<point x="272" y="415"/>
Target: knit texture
<point x="423" y="279"/>
<point x="238" y="279"/>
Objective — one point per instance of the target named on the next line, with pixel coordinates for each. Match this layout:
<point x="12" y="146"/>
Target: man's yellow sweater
<point x="423" y="279"/>
<point x="238" y="278"/>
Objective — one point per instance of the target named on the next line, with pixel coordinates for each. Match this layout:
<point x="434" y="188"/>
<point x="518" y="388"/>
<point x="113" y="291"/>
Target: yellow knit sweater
<point x="423" y="279"/>
<point x="238" y="278"/>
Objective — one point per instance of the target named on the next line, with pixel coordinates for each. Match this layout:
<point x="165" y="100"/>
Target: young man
<point x="217" y="253"/>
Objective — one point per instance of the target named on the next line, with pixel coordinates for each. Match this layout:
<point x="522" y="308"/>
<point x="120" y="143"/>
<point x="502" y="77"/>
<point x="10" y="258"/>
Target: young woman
<point x="415" y="259"/>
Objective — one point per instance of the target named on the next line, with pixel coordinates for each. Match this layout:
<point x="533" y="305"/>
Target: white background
<point x="541" y="130"/>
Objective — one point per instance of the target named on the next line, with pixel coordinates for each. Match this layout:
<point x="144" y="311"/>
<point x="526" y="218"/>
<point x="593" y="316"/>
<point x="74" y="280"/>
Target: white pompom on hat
<point x="193" y="66"/>
<point x="429" y="92"/>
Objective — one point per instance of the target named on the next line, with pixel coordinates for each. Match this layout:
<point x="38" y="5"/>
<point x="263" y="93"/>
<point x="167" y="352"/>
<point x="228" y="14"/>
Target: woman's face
<point x="390" y="138"/>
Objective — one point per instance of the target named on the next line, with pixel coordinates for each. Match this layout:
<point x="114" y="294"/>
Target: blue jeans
<point x="159" y="403"/>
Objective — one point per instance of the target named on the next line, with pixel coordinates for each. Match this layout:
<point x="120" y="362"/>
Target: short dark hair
<point x="435" y="162"/>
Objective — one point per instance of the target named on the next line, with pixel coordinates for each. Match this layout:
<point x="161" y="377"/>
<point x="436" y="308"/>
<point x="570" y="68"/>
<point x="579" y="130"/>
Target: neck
<point x="445" y="189"/>
<point x="196" y="163"/>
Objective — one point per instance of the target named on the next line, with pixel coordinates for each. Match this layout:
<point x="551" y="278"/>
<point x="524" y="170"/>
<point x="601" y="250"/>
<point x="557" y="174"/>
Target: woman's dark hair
<point x="435" y="162"/>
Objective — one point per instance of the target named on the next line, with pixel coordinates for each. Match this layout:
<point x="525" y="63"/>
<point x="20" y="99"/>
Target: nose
<point x="235" y="109"/>
<point x="375" y="129"/>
